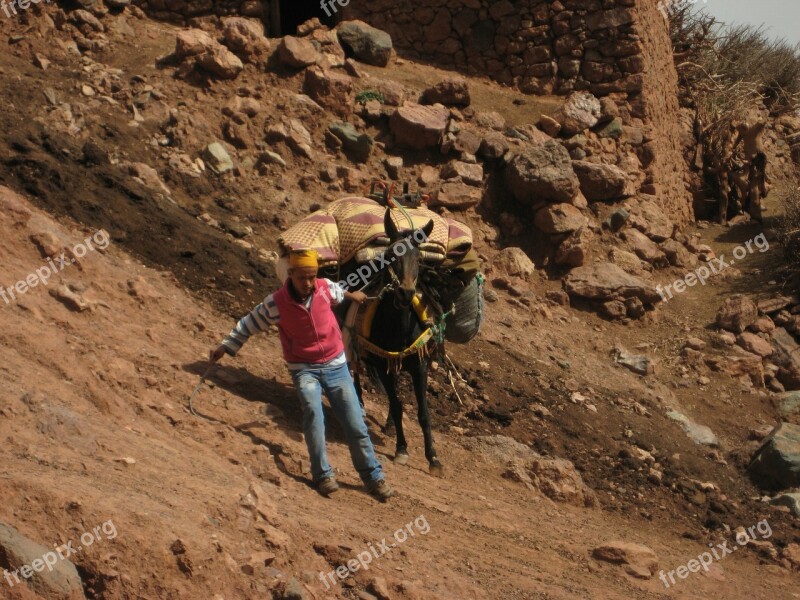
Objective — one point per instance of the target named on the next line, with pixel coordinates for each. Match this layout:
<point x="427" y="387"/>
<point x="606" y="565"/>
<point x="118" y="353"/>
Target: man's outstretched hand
<point x="216" y="354"/>
<point x="357" y="297"/>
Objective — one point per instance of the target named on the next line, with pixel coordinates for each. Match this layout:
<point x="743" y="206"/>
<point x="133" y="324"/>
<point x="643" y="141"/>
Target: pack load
<point x="350" y="232"/>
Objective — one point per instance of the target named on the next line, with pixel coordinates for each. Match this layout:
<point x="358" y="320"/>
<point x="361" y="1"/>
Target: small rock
<point x="297" y="53"/>
<point x="737" y="313"/>
<point x="617" y="219"/>
<point x="580" y="111"/>
<point x="754" y="344"/>
<point x="695" y="343"/>
<point x="559" y="219"/>
<point x="217" y="158"/>
<point x="394" y="166"/>
<point x="417" y="126"/>
<point x="699" y="434"/>
<point x="639" y="364"/>
<point x="515" y="262"/>
<point x="613" y="310"/>
<point x="380" y="588"/>
<point x="450" y="92"/>
<point x="359" y="145"/>
<point x="70" y="299"/>
<point x="640" y="561"/>
<point x="549" y="125"/>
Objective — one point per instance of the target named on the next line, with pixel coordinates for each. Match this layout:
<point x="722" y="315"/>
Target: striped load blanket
<point x="353" y="228"/>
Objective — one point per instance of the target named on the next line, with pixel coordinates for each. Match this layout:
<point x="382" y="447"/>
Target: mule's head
<point x="404" y="256"/>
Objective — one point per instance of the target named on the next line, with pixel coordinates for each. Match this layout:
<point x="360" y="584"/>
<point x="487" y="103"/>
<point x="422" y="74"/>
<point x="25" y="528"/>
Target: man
<point x="314" y="352"/>
<point x="750" y="133"/>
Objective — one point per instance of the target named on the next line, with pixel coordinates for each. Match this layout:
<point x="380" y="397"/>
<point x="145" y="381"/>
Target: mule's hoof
<point x="436" y="470"/>
<point x="401" y="458"/>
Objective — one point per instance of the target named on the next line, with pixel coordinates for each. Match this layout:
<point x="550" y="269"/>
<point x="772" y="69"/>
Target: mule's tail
<point x="374" y="376"/>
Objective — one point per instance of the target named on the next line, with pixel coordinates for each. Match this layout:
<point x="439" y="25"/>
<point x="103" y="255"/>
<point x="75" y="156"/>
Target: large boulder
<point x="419" y="127"/>
<point x="365" y="42"/>
<point x="542" y="174"/>
<point x="581" y="111"/>
<point x="601" y="182"/>
<point x="606" y="281"/>
<point x="776" y="464"/>
<point x="559" y="219"/>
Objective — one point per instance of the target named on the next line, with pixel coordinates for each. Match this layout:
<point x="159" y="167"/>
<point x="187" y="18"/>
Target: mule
<point x="395" y="328"/>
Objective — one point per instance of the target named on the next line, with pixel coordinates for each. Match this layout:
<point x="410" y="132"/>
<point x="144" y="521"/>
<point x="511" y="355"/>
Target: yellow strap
<point x="420" y="342"/>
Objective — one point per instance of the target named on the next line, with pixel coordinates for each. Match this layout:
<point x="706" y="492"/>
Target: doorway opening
<point x="293" y="13"/>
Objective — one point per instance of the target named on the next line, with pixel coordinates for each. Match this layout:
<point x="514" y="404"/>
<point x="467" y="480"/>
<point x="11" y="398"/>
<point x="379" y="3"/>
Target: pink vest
<point x="308" y="336"/>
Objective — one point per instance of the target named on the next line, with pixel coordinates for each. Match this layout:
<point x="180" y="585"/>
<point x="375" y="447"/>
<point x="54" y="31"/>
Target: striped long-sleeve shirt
<point x="265" y="314"/>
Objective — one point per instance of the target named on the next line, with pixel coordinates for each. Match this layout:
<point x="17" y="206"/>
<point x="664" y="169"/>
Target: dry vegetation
<point x="729" y="66"/>
<point x="724" y="72"/>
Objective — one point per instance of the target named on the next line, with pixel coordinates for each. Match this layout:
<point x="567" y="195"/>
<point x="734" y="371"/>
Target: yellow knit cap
<point x="303" y="258"/>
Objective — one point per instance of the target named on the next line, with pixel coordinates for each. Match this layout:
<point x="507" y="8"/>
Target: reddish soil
<point x="83" y="391"/>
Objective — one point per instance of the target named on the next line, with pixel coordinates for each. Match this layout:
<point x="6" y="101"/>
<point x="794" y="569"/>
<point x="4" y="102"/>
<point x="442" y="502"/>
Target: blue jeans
<point x="338" y="386"/>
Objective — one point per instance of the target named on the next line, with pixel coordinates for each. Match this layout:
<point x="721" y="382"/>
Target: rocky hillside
<point x="577" y="465"/>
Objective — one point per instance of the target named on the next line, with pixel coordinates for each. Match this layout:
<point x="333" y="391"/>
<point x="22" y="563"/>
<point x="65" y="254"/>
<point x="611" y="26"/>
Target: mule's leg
<point x="389" y="381"/>
<point x="419" y="375"/>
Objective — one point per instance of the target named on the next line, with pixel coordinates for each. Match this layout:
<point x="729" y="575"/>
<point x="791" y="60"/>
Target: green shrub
<point x="365" y="96"/>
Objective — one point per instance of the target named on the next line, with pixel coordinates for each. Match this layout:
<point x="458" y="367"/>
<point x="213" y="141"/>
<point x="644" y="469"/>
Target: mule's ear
<point x="389" y="227"/>
<point x="428" y="229"/>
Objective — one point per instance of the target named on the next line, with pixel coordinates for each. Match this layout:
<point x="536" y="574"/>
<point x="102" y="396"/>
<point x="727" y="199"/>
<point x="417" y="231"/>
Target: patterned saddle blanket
<point x="345" y="228"/>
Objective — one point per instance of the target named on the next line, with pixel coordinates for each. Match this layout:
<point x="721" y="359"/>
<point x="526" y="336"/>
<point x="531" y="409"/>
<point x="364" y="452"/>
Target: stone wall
<point x="176" y="10"/>
<point x="540" y="46"/>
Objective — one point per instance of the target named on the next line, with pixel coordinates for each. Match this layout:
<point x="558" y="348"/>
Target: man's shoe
<point x="327" y="486"/>
<point x="380" y="490"/>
